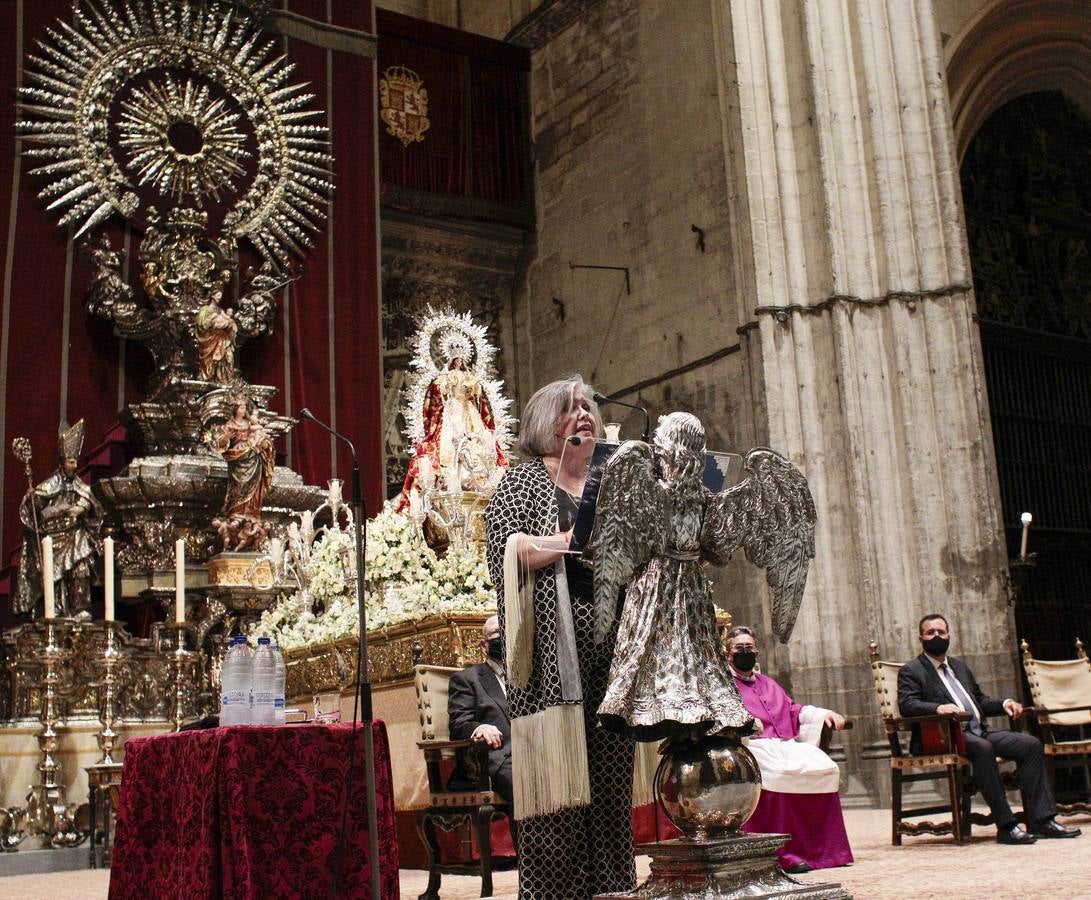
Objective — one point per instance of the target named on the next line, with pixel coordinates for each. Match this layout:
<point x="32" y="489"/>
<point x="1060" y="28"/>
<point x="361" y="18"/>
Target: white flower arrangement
<point x="405" y="582"/>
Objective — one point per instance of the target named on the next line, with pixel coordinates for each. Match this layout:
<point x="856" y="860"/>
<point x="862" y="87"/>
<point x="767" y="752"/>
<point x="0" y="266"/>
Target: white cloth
<point x="797" y="767"/>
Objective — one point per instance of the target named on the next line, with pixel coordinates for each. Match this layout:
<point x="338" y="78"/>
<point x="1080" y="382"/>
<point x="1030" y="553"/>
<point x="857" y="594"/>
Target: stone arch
<point x="1015" y="47"/>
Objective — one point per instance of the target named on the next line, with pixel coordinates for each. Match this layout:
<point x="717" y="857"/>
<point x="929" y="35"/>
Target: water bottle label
<point x="263" y="698"/>
<point x="279" y="703"/>
<point x="234" y="698"/>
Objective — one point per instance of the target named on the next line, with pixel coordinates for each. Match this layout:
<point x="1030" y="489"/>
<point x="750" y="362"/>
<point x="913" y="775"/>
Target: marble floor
<point x="922" y="868"/>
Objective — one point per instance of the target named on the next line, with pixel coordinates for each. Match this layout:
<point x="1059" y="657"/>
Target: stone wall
<point x="628" y="161"/>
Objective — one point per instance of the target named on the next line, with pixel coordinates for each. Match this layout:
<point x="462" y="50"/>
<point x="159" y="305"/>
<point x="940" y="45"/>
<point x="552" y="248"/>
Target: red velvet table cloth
<point x="250" y="812"/>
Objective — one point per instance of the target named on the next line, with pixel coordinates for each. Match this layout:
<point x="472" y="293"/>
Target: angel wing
<point x="771" y="515"/>
<point x="630" y="526"/>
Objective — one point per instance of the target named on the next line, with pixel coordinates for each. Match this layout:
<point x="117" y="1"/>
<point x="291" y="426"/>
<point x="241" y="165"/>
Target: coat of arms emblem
<point x="404" y="104"/>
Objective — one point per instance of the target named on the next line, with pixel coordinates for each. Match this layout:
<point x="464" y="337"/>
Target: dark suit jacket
<point x="474" y="697"/>
<point x="921" y="693"/>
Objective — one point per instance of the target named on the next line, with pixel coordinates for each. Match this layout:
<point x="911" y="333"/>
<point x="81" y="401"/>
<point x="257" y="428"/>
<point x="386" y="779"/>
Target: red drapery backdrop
<point x="476" y="144"/>
<point x="57" y="361"/>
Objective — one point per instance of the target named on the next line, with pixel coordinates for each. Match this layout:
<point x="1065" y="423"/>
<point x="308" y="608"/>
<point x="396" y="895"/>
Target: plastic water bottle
<point x="235" y="683"/>
<point x="282" y="678"/>
<point x="263" y="711"/>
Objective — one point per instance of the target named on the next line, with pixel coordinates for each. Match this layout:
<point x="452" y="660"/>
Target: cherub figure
<point x="656" y="523"/>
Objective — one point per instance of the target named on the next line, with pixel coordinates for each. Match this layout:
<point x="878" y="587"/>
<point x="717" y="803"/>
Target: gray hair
<point x="538" y="430"/>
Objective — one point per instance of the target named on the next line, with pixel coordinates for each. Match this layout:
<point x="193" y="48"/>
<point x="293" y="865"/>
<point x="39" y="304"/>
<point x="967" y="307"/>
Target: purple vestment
<point x="767" y="701"/>
<point x="814" y="820"/>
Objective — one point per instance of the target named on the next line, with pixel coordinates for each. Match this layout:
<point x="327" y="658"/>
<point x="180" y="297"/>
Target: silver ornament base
<point x="732" y="867"/>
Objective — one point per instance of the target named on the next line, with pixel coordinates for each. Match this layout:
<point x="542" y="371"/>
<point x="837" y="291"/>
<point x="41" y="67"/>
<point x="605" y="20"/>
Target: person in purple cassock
<point x="798" y="781"/>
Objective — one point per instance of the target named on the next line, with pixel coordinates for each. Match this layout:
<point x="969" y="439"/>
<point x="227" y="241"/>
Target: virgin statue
<point x="248" y="450"/>
<point x="454" y="404"/>
<point x="216" y="332"/>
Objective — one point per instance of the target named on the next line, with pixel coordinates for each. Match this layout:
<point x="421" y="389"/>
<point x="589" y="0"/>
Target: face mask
<point x="495" y="650"/>
<point x="936" y="646"/>
<point x="744" y="660"/>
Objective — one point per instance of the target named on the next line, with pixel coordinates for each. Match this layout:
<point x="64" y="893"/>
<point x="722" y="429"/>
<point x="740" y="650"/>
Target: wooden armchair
<point x="477" y="805"/>
<point x="1061" y="691"/>
<point x="943" y="760"/>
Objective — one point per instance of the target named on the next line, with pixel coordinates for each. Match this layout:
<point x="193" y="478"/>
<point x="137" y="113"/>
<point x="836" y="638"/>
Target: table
<point x="103" y="783"/>
<point x="250" y="812"/>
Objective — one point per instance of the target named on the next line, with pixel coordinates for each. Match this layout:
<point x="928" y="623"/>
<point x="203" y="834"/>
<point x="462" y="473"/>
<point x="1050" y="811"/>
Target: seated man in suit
<point x="477" y="708"/>
<point x="937" y="683"/>
<point x="799" y="782"/>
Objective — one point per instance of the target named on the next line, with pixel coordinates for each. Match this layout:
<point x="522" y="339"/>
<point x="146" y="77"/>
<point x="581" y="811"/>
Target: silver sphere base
<point x="729" y="868"/>
<point x="708" y="787"/>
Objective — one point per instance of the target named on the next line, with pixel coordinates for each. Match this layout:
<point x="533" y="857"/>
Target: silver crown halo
<point x="155" y="102"/>
<point x="441" y="336"/>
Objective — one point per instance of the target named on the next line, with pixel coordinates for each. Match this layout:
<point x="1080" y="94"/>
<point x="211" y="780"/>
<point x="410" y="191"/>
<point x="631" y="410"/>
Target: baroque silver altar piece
<point x="204" y="111"/>
<point x="184" y="119"/>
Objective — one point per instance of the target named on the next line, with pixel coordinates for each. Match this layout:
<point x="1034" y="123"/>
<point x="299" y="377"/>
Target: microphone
<point x="305" y="413"/>
<point x="602" y="399"/>
<point x="362" y="700"/>
<point x="575" y="440"/>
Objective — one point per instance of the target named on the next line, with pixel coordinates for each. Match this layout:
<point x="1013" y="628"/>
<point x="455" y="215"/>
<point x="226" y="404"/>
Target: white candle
<point x="335" y="492"/>
<point x="414" y="502"/>
<point x="308" y="523"/>
<point x="47" y="576"/>
<point x="179" y="580"/>
<point x="108" y="577"/>
<point x="425" y="473"/>
<point x="276" y="551"/>
<point x="1026" y="519"/>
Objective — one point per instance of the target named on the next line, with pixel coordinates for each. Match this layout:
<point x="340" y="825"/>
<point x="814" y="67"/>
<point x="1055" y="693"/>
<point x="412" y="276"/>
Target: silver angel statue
<point x="656" y="523"/>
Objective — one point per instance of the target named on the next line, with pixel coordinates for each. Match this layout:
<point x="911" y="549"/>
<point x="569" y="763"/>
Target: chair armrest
<point x="827" y="735"/>
<point x="904" y="722"/>
<point x="1041" y="711"/>
<point x="444" y="745"/>
<point x="474" y="755"/>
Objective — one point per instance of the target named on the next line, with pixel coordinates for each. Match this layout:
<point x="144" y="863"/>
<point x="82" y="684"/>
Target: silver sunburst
<point x="181" y="140"/>
<point x="151" y="102"/>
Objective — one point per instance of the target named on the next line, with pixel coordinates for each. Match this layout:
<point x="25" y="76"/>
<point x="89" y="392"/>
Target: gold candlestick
<point x="111" y="659"/>
<point x="182" y="682"/>
<point x="46" y="807"/>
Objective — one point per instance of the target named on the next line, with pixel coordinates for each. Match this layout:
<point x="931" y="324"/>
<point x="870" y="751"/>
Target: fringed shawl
<point x="549" y="744"/>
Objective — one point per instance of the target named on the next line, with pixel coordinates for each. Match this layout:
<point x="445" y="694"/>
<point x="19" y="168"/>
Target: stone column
<point x="855" y="293"/>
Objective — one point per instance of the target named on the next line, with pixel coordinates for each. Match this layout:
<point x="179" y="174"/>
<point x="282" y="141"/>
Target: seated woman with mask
<point x="799" y="782"/>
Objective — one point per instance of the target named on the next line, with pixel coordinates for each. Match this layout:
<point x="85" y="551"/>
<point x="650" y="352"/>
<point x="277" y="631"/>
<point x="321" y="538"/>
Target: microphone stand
<point x="602" y="399"/>
<point x="362" y="698"/>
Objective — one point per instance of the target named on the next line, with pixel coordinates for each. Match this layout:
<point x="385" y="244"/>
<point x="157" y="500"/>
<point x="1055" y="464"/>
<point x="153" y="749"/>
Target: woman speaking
<point x="572" y="780"/>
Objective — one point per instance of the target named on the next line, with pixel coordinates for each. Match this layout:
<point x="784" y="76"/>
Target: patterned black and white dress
<point x="571" y="848"/>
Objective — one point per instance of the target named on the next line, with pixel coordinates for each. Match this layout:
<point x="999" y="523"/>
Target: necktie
<point x="964" y="700"/>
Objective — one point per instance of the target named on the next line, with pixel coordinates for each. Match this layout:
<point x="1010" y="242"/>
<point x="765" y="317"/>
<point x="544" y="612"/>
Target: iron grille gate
<point x="1039" y="388"/>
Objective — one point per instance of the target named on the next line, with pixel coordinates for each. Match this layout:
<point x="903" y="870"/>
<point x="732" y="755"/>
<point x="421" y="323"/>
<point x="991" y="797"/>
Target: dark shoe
<point x="1051" y="828"/>
<point x="798" y="869"/>
<point x="1014" y="835"/>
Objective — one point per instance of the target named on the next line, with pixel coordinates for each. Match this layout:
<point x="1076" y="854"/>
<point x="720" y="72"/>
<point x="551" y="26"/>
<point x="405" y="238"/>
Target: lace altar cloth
<point x="249" y="812"/>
